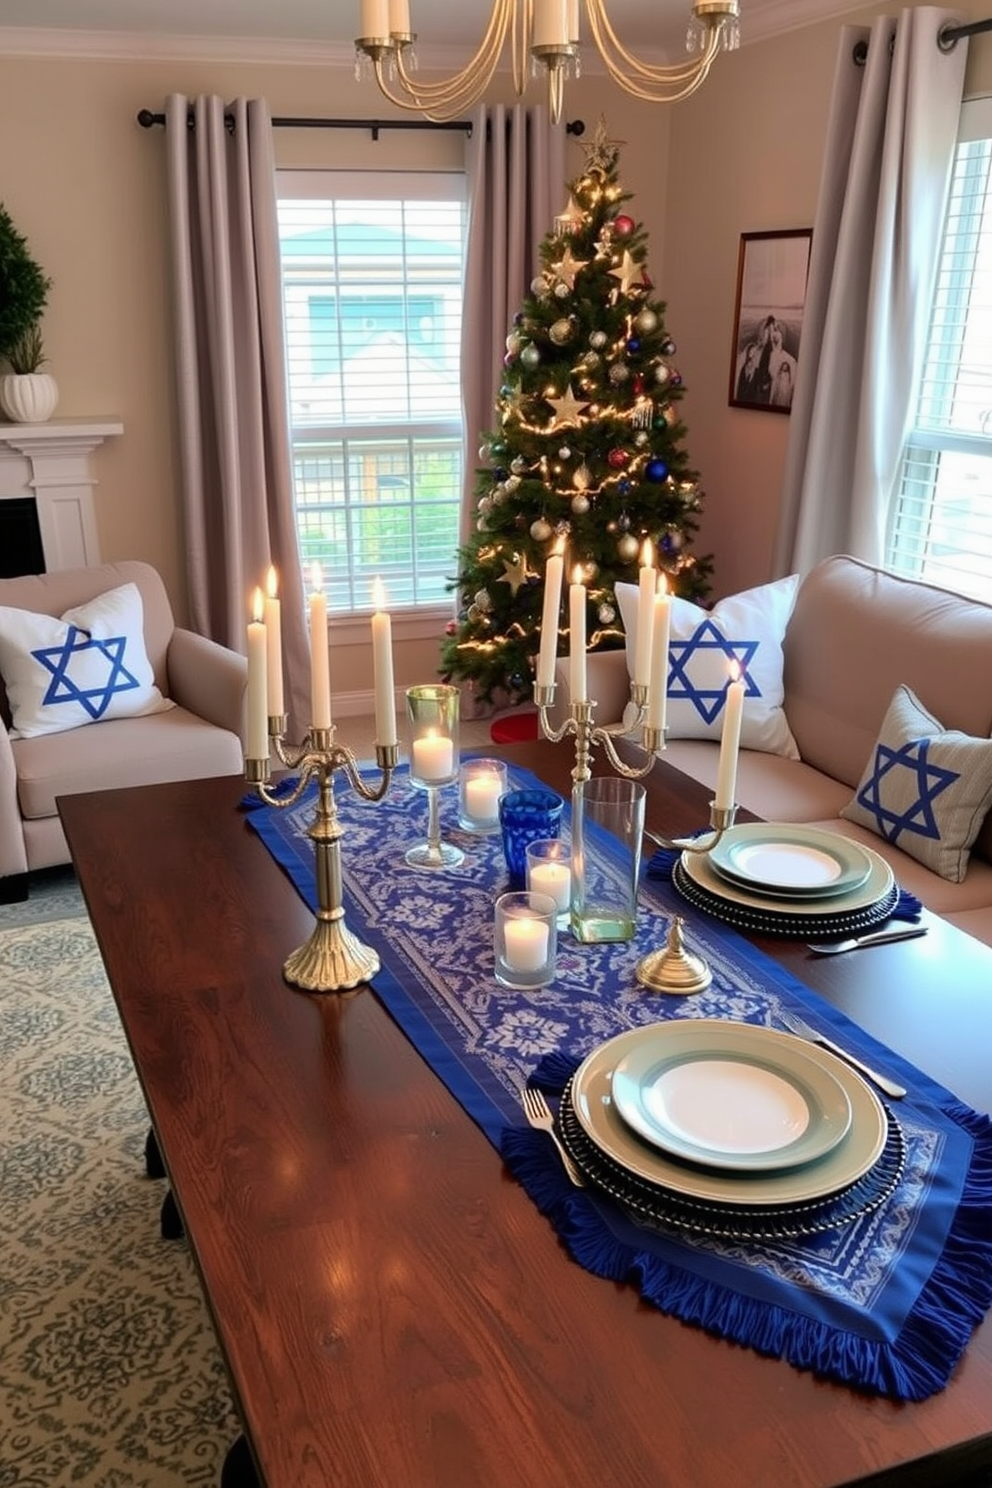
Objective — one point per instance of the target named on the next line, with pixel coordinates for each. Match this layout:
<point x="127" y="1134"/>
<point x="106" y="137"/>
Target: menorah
<point x="332" y="959"/>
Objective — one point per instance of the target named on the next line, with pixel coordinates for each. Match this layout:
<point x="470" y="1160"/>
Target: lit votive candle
<point x="481" y="783"/>
<point x="432" y="756"/>
<point x="526" y="943"/>
<point x="553" y="879"/>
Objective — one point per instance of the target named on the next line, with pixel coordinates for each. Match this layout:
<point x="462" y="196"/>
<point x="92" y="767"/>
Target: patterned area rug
<point x="109" y="1371"/>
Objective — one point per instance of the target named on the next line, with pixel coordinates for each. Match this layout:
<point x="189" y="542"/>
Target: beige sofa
<point x="855" y="634"/>
<point x="201" y="736"/>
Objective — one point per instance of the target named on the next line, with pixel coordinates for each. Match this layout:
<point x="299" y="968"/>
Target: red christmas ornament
<point x="451" y="628"/>
<point x="624" y="225"/>
<point x="617" y="458"/>
<point x="638" y="386"/>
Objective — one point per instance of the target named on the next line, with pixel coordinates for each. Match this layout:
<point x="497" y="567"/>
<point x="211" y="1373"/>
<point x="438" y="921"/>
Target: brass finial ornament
<point x="674" y="969"/>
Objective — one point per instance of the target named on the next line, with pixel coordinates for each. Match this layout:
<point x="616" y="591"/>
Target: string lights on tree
<point x="587" y="454"/>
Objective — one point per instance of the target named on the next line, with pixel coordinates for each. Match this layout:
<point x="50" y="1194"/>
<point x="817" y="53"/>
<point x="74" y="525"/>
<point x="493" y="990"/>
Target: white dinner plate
<point x="727" y="1096"/>
<point x="782" y="858"/>
<point x="600" y="1118"/>
<point x="875" y="887"/>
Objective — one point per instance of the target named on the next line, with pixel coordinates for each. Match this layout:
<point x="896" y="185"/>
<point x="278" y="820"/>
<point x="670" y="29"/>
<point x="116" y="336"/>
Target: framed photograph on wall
<point x="768" y="321"/>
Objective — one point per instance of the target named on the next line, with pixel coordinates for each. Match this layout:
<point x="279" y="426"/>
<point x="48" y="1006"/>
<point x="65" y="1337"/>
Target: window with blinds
<point x="372" y="272"/>
<point x="942" y="519"/>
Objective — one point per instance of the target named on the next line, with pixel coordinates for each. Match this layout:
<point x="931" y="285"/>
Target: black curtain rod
<point x="946" y="37"/>
<point x="464" y="126"/>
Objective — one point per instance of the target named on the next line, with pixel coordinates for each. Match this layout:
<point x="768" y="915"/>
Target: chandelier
<point x="549" y="31"/>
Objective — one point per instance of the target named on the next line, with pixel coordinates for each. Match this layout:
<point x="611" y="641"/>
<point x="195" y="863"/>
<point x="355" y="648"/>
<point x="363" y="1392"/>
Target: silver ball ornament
<point x="540" y="530"/>
<point x="539" y="287"/>
<point x="580" y="505"/>
<point x="531" y="355"/>
<point x="619" y="373"/>
<point x="562" y="332"/>
<point x="483" y="601"/>
<point x="628" y="547"/>
<point x="565" y="452"/>
<point x="607" y="614"/>
<point x="662" y="373"/>
<point x="646" y="321"/>
<point x="562" y="291"/>
<point x="518" y="465"/>
<point x="598" y="340"/>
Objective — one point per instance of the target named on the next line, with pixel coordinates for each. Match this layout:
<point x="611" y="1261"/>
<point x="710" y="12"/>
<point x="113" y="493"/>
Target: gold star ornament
<point x="601" y="154"/>
<point x="629" y="273"/>
<point x="566" y="270"/>
<point x="515" y="573"/>
<point x="568" y="412"/>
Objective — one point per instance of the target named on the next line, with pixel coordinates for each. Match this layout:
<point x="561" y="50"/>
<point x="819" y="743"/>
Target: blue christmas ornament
<point x="518" y="318"/>
<point x="667" y="544"/>
<point x="500" y="474"/>
<point x="633" y="345"/>
<point x="625" y="487"/>
<point x="656" y="471"/>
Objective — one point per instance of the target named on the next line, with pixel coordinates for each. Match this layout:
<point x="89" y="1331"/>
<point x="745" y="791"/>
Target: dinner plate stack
<point x="730" y="1129"/>
<point x="786" y="879"/>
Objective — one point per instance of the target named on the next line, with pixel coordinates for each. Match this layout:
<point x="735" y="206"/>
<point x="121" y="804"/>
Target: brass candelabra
<point x="333" y="958"/>
<point x="671" y="969"/>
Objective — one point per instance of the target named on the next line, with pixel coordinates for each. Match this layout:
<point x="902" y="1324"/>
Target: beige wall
<point x="745" y="157"/>
<point x="86" y="185"/>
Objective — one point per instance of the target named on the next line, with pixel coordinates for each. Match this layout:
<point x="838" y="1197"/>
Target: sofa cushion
<point x="938" y="894"/>
<point x="123" y="752"/>
<point x="925" y="789"/>
<point x="87" y="665"/>
<point x="774" y="788"/>
<point x="745" y="628"/>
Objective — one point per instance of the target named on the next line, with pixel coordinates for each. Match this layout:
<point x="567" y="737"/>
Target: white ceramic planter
<point x="28" y="397"/>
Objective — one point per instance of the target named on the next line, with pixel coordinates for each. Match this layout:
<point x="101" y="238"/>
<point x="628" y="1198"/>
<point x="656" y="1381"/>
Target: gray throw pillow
<point x="926" y="789"/>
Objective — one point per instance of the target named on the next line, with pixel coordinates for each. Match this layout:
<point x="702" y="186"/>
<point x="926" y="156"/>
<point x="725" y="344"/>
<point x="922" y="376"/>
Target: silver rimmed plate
<point x="729" y="1096"/>
<point x="875" y="887"/>
<point x="785" y="859"/>
<point x="600" y="1119"/>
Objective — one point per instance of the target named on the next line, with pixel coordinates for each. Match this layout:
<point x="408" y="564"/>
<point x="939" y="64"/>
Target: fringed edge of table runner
<point x="918" y="1364"/>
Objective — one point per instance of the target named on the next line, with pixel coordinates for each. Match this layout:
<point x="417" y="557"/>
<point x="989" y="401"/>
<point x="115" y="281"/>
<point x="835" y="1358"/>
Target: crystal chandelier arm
<point x="689" y="74"/>
<point x="446" y="99"/>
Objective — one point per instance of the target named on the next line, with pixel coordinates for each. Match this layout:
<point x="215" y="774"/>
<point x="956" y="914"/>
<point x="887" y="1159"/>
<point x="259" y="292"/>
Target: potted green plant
<point x="27" y="394"/>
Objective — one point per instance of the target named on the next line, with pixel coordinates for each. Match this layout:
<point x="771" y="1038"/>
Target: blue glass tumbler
<point x="526" y="816"/>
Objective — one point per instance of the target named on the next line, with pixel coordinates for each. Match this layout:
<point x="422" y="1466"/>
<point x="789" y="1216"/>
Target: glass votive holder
<point x="481" y="782"/>
<point x="525" y="940"/>
<point x="526" y="816"/>
<point x="549" y="871"/>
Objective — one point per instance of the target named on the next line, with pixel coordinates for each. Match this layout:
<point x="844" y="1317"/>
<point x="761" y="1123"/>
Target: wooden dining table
<point x="393" y="1310"/>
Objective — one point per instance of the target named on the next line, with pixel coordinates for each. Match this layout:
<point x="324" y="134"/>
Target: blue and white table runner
<point x="885" y="1304"/>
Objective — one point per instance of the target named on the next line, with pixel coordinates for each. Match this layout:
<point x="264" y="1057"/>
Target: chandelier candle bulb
<point x="658" y="688"/>
<point x="273" y="635"/>
<point x="375" y="18"/>
<point x="320" y="669"/>
<point x="647" y="583"/>
<point x="382" y="667"/>
<point x="549" y="619"/>
<point x="551" y="23"/>
<point x="399" y="18"/>
<point x="726" y="776"/>
<point x="577" y="644"/>
<point x="258" y="726"/>
<point x="432" y="756"/>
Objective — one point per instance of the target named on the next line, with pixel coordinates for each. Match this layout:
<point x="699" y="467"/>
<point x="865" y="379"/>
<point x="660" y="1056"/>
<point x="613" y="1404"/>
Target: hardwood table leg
<point x="239" y="1469"/>
<point x="171" y="1221"/>
<point x="154" y="1166"/>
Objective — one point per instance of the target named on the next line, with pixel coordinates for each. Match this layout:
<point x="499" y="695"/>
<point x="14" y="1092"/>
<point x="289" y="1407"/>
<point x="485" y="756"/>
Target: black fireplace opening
<point x="21" y="550"/>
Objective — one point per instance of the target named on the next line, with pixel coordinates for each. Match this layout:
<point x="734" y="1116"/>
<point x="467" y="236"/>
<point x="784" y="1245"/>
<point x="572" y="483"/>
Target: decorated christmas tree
<point x="588" y="449"/>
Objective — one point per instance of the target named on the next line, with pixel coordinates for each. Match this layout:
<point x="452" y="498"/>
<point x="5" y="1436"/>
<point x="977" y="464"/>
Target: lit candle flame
<point x="378" y="594"/>
<point x="647" y="554"/>
<point x="316" y="578"/>
<point x="272" y="582"/>
<point x="258" y="605"/>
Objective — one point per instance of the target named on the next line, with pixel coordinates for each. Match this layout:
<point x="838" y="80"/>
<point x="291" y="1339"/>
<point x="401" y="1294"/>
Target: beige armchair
<point x="201" y="736"/>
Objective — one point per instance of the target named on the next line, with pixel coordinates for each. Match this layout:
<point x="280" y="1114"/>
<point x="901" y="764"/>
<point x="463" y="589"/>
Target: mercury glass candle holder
<point x="432" y="710"/>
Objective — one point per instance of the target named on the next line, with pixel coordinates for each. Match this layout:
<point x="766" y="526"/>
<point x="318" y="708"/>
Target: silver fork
<point x="538" y="1113"/>
<point x="805" y="1030"/>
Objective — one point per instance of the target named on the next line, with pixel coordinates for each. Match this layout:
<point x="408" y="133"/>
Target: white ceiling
<point x="291" y="29"/>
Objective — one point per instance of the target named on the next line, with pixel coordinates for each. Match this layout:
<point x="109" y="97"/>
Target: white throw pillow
<point x="84" y="667"/>
<point x="926" y="789"/>
<point x="747" y="628"/>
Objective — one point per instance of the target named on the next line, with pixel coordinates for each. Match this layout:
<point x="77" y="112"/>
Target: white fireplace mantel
<point x="53" y="463"/>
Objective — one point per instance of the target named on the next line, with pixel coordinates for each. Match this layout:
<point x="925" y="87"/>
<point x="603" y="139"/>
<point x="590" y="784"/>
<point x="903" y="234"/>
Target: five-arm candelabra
<point x="333" y="959"/>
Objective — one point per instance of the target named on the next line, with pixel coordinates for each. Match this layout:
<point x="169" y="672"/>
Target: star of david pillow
<point x="747" y="628"/>
<point x="87" y="666"/>
<point x="926" y="789"/>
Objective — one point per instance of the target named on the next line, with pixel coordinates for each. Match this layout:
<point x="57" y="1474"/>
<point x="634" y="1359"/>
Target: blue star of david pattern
<point x="58" y="660"/>
<point x="930" y="779"/>
<point x="708" y="701"/>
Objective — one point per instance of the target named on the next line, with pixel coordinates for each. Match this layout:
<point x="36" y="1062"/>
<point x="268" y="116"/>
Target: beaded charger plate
<point x="654" y="1205"/>
<point x="844" y="914"/>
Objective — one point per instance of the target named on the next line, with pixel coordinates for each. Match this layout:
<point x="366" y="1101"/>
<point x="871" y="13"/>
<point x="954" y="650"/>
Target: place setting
<point x="789" y="879"/>
<point x="728" y="1129"/>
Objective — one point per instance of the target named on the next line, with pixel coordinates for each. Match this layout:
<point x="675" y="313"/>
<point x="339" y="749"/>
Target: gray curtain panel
<point x="876" y="243"/>
<point x="515" y="167"/>
<point x="235" y="459"/>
